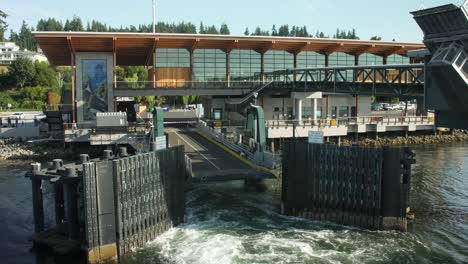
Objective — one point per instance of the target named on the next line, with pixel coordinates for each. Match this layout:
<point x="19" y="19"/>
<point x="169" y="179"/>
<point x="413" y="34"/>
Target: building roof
<point x="137" y="48"/>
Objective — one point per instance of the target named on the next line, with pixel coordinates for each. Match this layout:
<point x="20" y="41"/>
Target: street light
<point x="154" y="16"/>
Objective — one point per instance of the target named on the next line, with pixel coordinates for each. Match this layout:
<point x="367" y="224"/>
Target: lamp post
<point x="154" y="16"/>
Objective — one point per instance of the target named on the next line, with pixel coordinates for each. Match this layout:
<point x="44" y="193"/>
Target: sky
<point x="389" y="19"/>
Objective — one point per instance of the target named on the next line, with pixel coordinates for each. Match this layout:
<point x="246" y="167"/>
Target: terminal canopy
<point x="138" y="48"/>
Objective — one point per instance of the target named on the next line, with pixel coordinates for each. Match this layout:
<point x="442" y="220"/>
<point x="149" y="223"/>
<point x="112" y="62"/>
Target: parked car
<point x="377" y="107"/>
<point x="392" y="107"/>
<point x="40" y="117"/>
<point x="384" y="106"/>
<point x="19" y="115"/>
<point x="165" y="108"/>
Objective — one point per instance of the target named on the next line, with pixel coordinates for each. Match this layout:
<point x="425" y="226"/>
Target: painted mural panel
<point x="94" y="80"/>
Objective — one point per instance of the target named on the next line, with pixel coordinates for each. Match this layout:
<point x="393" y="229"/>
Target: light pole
<point x="154" y="16"/>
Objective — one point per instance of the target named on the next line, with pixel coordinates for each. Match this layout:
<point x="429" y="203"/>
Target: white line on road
<point x="197" y="150"/>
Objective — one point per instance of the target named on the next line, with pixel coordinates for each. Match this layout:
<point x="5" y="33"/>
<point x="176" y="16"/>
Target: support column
<point x="228" y="68"/>
<point x="384" y="59"/>
<point x="73" y="78"/>
<point x="262" y="66"/>
<point x="327" y="59"/>
<point x="192" y="74"/>
<point x="357" y="104"/>
<point x="327" y="100"/>
<point x="299" y="110"/>
<point x="295" y="66"/>
<point x="356" y="60"/>
<point x="38" y="205"/>
<point x="315" y="110"/>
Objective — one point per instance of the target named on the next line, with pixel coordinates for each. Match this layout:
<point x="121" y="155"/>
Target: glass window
<point x="464" y="69"/>
<point x="172" y="58"/>
<point x="308" y="59"/>
<point x="344" y="111"/>
<point x="209" y="65"/>
<point x="368" y="59"/>
<point x="397" y="59"/>
<point x="244" y="64"/>
<point x="276" y="60"/>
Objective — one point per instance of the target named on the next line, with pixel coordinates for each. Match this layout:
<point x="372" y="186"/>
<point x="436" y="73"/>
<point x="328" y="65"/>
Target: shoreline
<point x="458" y="136"/>
<point x="13" y="150"/>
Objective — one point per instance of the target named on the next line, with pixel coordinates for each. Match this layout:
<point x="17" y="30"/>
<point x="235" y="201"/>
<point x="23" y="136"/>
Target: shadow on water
<point x="225" y="224"/>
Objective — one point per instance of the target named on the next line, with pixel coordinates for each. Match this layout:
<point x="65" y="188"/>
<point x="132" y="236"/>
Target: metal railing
<point x="240" y="149"/>
<point x="362" y="120"/>
<point x="183" y="84"/>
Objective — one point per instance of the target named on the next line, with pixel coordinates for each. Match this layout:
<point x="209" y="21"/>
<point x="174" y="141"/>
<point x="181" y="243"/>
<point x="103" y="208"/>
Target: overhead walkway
<point x="404" y="80"/>
<point x="210" y="161"/>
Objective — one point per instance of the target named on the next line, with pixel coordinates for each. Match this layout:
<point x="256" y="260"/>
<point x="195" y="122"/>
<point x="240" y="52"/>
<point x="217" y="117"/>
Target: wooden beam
<point x="151" y="52"/>
<point x="361" y="50"/>
<point x="195" y="44"/>
<point x="304" y="46"/>
<point x="391" y="50"/>
<point x="232" y="46"/>
<point x="266" y="47"/>
<point x="331" y="48"/>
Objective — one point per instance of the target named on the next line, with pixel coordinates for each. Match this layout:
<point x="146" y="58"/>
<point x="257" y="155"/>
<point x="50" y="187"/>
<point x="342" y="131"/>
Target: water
<point x="227" y="225"/>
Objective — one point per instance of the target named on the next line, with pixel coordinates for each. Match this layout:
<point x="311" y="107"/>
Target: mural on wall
<point x="94" y="88"/>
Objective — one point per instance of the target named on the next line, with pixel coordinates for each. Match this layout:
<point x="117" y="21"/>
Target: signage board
<point x="316" y="137"/>
<point x="161" y="143"/>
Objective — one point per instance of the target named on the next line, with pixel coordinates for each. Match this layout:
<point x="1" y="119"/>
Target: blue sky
<point x="387" y="18"/>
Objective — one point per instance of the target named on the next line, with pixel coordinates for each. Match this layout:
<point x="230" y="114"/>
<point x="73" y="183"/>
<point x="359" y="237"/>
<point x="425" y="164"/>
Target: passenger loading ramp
<point x="210" y="162"/>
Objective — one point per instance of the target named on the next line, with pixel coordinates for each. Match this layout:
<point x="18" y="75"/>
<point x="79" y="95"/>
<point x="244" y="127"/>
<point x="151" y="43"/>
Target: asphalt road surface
<point x="209" y="161"/>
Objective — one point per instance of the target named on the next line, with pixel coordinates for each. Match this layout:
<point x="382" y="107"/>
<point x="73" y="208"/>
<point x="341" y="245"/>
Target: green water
<point x="227" y="225"/>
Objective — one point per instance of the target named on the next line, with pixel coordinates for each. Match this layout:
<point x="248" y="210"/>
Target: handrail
<point x="249" y="95"/>
<point x="362" y="120"/>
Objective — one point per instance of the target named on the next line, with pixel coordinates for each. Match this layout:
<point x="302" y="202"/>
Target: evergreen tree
<point x="3" y="25"/>
<point x="212" y="30"/>
<point x="224" y="30"/>
<point x="283" y="31"/>
<point x="25" y="39"/>
<point x="273" y="31"/>
<point x="246" y="32"/>
<point x="202" y="29"/>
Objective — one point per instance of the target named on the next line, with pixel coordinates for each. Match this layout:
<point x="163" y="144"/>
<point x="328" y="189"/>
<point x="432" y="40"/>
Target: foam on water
<point x="227" y="225"/>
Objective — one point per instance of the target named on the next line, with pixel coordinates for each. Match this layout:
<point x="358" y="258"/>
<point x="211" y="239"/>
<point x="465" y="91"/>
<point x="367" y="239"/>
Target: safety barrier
<point x="362" y="120"/>
<point x="127" y="202"/>
<point x="363" y="187"/>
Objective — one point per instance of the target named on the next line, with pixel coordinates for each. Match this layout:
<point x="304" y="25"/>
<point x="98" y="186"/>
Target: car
<point x="392" y="107"/>
<point x="165" y="108"/>
<point x="40" y="117"/>
<point x="19" y="115"/>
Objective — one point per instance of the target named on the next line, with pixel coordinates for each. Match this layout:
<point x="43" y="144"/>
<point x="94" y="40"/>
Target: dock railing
<point x="361" y="120"/>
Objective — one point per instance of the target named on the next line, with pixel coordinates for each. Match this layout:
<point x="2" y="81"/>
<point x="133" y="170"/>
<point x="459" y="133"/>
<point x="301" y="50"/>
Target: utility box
<point x="111" y="119"/>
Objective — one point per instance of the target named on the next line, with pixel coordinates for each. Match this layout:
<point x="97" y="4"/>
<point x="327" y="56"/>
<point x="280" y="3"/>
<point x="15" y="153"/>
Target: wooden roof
<point x="137" y="48"/>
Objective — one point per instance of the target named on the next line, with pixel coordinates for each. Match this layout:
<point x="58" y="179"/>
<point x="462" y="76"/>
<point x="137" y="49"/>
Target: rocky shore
<point x="13" y="150"/>
<point x="456" y="136"/>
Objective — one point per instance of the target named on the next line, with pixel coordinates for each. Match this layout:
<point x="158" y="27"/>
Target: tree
<point x="224" y="30"/>
<point x="3" y="25"/>
<point x="273" y="31"/>
<point x="247" y="32"/>
<point x="45" y="76"/>
<point x="376" y="38"/>
<point x="22" y="70"/>
<point x="24" y="39"/>
<point x="201" y="29"/>
<point x="283" y="31"/>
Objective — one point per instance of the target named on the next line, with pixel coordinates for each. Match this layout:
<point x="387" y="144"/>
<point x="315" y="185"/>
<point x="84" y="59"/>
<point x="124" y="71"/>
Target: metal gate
<point x="355" y="186"/>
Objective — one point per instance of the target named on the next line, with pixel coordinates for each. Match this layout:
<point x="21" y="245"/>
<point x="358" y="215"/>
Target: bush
<point x="37" y="93"/>
<point x="5" y="99"/>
